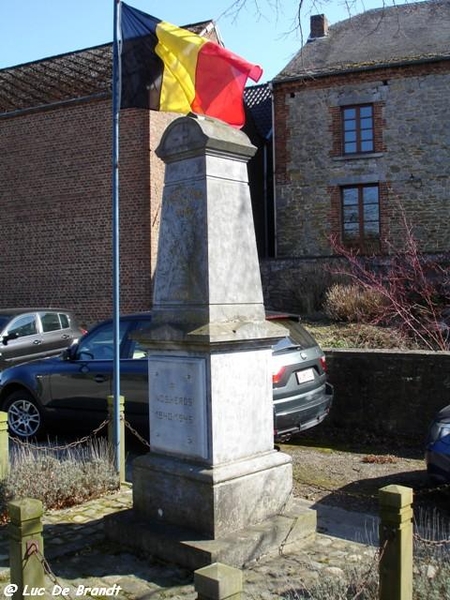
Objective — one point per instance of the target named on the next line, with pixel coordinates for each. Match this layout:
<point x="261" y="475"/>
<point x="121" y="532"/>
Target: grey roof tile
<point x="394" y="34"/>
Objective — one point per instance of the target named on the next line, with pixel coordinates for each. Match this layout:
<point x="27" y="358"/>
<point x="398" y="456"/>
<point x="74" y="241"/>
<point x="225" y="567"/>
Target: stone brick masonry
<point x="409" y="161"/>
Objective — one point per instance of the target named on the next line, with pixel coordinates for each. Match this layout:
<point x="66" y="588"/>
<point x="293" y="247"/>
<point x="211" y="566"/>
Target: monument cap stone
<point x="189" y="136"/>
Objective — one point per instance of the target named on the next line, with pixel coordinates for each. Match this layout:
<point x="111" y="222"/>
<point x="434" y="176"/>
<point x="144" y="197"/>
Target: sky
<point x="263" y="31"/>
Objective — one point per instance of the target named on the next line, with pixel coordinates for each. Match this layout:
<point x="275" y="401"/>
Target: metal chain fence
<point x="137" y="435"/>
<point x="422" y="492"/>
<point x="34" y="551"/>
<point x="55" y="448"/>
<point x="85" y="439"/>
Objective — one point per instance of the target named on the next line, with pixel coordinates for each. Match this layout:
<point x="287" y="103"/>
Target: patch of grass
<point x="315" y="477"/>
<point x="323" y="450"/>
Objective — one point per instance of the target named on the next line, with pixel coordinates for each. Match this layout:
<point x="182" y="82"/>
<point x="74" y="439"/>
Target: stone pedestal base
<point x="213" y="501"/>
<point x="195" y="515"/>
<point x="283" y="533"/>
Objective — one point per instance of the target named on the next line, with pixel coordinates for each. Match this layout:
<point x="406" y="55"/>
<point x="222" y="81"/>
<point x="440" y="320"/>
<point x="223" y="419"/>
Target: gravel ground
<point x="351" y="479"/>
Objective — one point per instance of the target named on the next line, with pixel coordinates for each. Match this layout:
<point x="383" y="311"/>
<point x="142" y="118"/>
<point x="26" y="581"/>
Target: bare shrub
<point x="359" y="335"/>
<point x="353" y="303"/>
<point x="414" y="287"/>
<point x="431" y="554"/>
<point x="359" y="582"/>
<point x="309" y="292"/>
<point x="60" y="479"/>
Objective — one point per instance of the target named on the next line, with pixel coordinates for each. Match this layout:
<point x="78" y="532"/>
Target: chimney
<point x="319" y="26"/>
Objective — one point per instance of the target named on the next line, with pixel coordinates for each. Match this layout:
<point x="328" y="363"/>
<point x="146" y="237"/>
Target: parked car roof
<point x="19" y="311"/>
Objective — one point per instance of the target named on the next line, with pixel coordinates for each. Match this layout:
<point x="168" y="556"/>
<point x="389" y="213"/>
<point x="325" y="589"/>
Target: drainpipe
<point x="275" y="234"/>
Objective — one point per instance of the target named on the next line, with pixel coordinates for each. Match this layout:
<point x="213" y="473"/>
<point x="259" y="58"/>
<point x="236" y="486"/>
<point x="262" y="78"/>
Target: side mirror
<point x="8" y="337"/>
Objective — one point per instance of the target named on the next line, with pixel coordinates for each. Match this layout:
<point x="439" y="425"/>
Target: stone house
<point x="360" y="136"/>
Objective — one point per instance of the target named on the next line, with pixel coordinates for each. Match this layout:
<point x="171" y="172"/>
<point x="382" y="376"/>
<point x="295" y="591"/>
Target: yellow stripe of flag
<point x="178" y="49"/>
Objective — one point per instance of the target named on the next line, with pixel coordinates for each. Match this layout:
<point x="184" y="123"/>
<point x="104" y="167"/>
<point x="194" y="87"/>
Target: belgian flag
<point x="167" y="68"/>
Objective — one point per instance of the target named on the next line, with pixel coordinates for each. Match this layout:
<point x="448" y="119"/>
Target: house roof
<point x="258" y="99"/>
<point x="388" y="36"/>
<point x="75" y="75"/>
<point x="66" y="77"/>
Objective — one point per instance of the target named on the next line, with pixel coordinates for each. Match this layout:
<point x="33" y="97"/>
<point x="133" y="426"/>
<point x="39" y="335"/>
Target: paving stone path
<point x="81" y="561"/>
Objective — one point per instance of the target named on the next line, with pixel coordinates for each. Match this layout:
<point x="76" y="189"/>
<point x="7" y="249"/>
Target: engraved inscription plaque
<point x="177" y="396"/>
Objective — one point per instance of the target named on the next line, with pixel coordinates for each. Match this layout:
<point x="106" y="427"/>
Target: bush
<point x="353" y="303"/>
<point x="59" y="478"/>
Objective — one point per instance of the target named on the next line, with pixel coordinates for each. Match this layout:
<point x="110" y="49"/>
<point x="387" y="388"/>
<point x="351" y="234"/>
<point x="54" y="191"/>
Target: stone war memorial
<point x="212" y="488"/>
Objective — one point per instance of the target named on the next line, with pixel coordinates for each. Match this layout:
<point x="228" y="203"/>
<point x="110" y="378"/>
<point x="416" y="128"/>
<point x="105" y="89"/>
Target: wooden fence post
<point x="122" y="432"/>
<point x="218" y="582"/>
<point x="26" y="547"/>
<point x="4" y="445"/>
<point x="396" y="542"/>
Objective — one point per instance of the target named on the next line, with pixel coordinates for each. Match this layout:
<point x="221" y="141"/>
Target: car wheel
<point x="24" y="417"/>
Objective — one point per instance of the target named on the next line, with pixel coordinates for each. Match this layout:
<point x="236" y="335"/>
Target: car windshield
<point x="4" y="320"/>
<point x="298" y="336"/>
<point x="100" y="344"/>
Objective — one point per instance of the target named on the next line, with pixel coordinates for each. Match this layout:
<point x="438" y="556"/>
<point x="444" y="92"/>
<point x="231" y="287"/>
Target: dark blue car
<point x="437" y="452"/>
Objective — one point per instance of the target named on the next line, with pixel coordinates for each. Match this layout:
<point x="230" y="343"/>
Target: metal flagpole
<point x="115" y="233"/>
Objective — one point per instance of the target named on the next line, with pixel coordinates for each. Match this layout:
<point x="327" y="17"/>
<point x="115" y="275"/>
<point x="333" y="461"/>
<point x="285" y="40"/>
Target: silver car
<point x="28" y="333"/>
<point x="302" y="396"/>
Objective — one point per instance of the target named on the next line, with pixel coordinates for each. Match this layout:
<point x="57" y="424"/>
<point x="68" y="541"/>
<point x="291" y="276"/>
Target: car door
<point x="28" y="343"/>
<point x="81" y="388"/>
<point x="56" y="333"/>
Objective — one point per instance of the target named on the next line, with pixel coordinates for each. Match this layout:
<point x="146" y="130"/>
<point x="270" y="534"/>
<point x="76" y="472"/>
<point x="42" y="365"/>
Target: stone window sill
<point x="359" y="156"/>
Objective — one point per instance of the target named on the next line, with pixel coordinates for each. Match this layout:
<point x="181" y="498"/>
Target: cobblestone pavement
<point x="83" y="562"/>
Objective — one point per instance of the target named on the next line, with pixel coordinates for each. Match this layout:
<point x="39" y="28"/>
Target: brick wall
<point x="412" y="152"/>
<point x="56" y="197"/>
